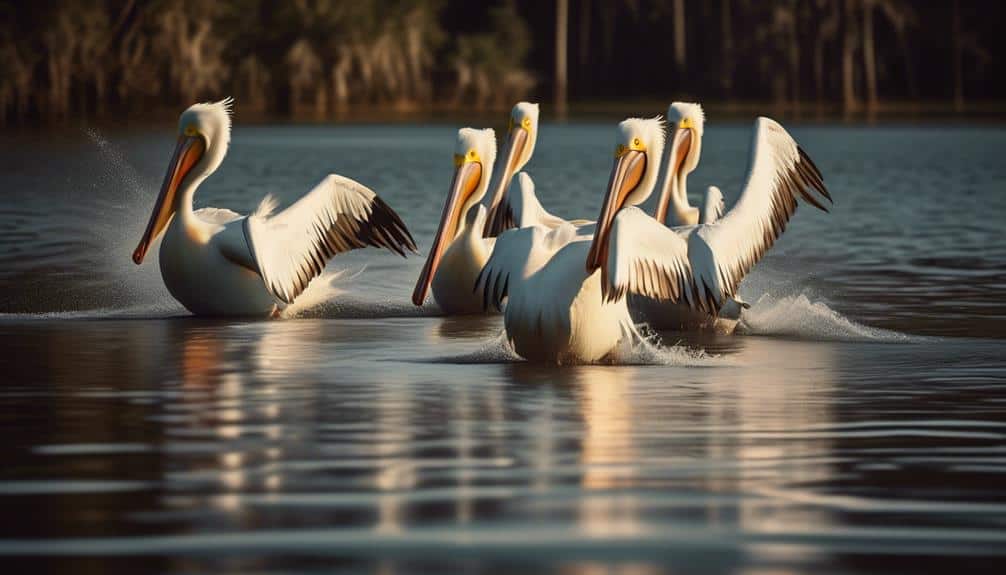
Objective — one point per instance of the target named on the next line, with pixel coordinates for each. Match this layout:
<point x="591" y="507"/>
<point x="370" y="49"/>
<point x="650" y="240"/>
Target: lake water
<point x="857" y="424"/>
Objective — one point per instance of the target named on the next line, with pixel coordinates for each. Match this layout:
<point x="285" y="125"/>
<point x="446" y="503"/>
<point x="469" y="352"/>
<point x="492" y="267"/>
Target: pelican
<point x="217" y="262"/>
<point x="463" y="241"/>
<point x="702" y="265"/>
<point x="521" y="140"/>
<point x="556" y="311"/>
<point x="459" y="251"/>
<point x="687" y="122"/>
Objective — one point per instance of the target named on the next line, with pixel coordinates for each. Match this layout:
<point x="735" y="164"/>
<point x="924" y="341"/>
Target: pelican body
<point x="462" y="243"/>
<point x="217" y="262"/>
<point x="555" y="309"/>
<point x="687" y="123"/>
<point x="701" y="266"/>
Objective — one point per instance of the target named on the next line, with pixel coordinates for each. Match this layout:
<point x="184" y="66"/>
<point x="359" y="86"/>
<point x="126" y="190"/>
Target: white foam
<point x="646" y="349"/>
<point x="141" y="286"/>
<point x="319" y="292"/>
<point x="497" y="350"/>
<point x="125" y="312"/>
<point x="799" y="317"/>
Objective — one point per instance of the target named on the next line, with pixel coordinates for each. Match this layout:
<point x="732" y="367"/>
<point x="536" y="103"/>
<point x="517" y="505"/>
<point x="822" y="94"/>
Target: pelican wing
<point x="292" y="247"/>
<point x="713" y="206"/>
<point x="520" y="207"/>
<point x="780" y="174"/>
<point x="704" y="265"/>
<point x="645" y="257"/>
<point x="518" y="253"/>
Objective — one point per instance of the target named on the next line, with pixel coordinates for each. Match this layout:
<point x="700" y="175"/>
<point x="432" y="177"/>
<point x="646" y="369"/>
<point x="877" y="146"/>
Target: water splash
<point x="646" y="348"/>
<point x="797" y="316"/>
<point x="128" y="285"/>
<point x="319" y="294"/>
<point x="497" y="350"/>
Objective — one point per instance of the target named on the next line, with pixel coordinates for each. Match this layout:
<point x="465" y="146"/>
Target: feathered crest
<point x="679" y="110"/>
<point x="650" y="129"/>
<point x="484" y="141"/>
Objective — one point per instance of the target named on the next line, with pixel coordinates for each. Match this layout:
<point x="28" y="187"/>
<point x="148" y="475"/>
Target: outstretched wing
<point x="645" y="257"/>
<point x="520" y="208"/>
<point x="292" y="247"/>
<point x="704" y="265"/>
<point x="780" y="174"/>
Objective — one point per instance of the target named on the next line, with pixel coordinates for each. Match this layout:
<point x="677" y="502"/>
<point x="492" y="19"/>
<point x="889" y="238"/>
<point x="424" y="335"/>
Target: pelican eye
<point x="526" y="123"/>
<point x="686" y="123"/>
<point x="191" y="131"/>
<point x="471" y="156"/>
<point x="635" y="145"/>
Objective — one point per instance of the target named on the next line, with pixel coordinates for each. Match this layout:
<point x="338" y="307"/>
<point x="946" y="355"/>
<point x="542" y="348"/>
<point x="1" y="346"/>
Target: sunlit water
<point x="857" y="423"/>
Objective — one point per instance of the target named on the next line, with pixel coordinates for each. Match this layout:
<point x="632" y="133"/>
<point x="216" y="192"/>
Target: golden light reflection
<point x="608" y="452"/>
<point x="201" y="358"/>
<point x="765" y="407"/>
<point x="396" y="473"/>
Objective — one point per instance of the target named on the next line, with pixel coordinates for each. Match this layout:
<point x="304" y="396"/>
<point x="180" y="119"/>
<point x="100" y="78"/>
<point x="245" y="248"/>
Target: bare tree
<point x="828" y="31"/>
<point x="849" y="100"/>
<point x="869" y="55"/>
<point x="561" y="42"/>
<point x="679" y="36"/>
<point x="902" y="16"/>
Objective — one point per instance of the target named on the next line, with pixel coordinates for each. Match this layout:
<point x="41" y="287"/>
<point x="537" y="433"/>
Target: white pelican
<point x="459" y="251"/>
<point x="703" y="265"/>
<point x="687" y="122"/>
<point x="463" y="241"/>
<point x="555" y="311"/>
<point x="522" y="136"/>
<point x="217" y="262"/>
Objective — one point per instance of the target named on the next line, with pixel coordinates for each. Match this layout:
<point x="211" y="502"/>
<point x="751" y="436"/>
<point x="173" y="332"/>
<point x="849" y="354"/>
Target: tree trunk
<point x="869" y="56"/>
<point x="849" y="102"/>
<point x="679" y="35"/>
<point x="794" y="55"/>
<point x="826" y="33"/>
<point x="561" y="28"/>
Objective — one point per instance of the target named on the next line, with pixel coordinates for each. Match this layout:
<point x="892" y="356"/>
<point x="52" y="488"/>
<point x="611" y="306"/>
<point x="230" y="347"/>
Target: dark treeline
<point x="64" y="59"/>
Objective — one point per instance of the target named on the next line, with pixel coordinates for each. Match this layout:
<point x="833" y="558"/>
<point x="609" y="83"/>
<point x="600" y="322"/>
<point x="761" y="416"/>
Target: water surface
<point x="858" y="423"/>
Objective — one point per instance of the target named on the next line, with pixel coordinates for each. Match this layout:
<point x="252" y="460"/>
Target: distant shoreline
<point x="589" y="111"/>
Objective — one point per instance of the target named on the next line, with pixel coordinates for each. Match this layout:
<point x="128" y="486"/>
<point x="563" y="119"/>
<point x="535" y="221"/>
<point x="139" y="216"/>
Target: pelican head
<point x="638" y="146"/>
<point x="204" y="131"/>
<point x="686" y="122"/>
<point x="474" y="155"/>
<point x="522" y="134"/>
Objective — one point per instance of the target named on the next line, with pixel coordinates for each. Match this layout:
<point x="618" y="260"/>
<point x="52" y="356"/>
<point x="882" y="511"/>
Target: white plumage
<point x="703" y="265"/>
<point x="459" y="249"/>
<point x="217" y="262"/>
<point x="291" y="247"/>
<point x="555" y="311"/>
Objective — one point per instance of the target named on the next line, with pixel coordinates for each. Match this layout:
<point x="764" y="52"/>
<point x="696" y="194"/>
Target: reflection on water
<point x="272" y="441"/>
